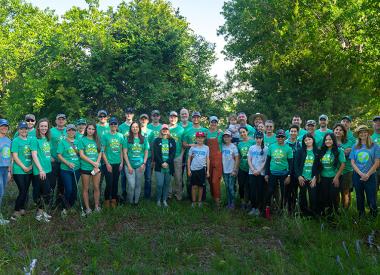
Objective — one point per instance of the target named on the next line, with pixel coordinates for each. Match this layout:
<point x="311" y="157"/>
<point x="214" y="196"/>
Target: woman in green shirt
<point x="22" y="167"/>
<point x="41" y="156"/>
<point x="331" y="162"/>
<point x="135" y="150"/>
<point x="90" y="154"/>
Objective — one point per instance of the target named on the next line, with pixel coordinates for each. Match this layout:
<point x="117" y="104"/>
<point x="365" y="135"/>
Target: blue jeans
<point x="70" y="194"/>
<point x="369" y="188"/>
<point x="3" y="181"/>
<point x="229" y="182"/>
<point x="123" y="180"/>
<point x="163" y="182"/>
<point x="148" y="178"/>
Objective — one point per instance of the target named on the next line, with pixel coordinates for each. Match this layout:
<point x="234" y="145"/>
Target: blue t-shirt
<point x="365" y="158"/>
<point x="5" y="152"/>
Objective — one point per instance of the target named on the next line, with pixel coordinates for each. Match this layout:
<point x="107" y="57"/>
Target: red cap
<point x="200" y="134"/>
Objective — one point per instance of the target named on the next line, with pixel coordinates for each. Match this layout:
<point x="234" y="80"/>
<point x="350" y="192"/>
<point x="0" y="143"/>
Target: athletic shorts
<point x="198" y="178"/>
<point x="85" y="172"/>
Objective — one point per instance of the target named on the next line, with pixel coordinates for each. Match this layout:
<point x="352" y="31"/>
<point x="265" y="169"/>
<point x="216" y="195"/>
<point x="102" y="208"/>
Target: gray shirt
<point x="199" y="156"/>
<point x="258" y="158"/>
<point x="228" y="157"/>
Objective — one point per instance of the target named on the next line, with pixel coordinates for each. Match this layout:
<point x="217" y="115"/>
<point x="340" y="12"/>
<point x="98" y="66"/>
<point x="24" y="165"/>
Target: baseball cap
<point x="60" y="116"/>
<point x="349" y="118"/>
<point x="81" y="121"/>
<point x="104" y="112"/>
<point x="200" y="134"/>
<point x="376" y="118"/>
<point x="3" y="122"/>
<point x="280" y="133"/>
<point x="323" y="117"/>
<point x="173" y="113"/>
<point x="22" y="125"/>
<point x="164" y="126"/>
<point x="30" y="117"/>
<point x="259" y="134"/>
<point x="129" y="110"/>
<point x="311" y="122"/>
<point x="155" y="112"/>
<point x="227" y="132"/>
<point x="195" y="114"/>
<point x="213" y="118"/>
<point x="70" y="127"/>
<point x="113" y="120"/>
<point x="144" y="115"/>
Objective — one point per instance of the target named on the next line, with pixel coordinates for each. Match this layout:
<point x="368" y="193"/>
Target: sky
<point x="203" y="15"/>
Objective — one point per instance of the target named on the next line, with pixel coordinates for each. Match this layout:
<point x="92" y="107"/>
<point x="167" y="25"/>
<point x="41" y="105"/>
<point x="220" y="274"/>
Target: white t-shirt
<point x="259" y="157"/>
<point x="199" y="154"/>
<point x="228" y="157"/>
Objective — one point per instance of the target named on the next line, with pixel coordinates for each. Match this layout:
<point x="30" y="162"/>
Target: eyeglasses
<point x="30" y="120"/>
<point x="269" y="126"/>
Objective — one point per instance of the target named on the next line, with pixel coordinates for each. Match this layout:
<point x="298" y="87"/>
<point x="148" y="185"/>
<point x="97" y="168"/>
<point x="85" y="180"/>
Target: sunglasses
<point x="280" y="137"/>
<point x="113" y="124"/>
<point x="102" y="116"/>
<point x="30" y="120"/>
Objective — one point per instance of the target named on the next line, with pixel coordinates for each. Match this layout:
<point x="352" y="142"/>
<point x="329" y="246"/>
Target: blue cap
<point x="22" y="125"/>
<point x="259" y="134"/>
<point x="113" y="120"/>
<point x="3" y="122"/>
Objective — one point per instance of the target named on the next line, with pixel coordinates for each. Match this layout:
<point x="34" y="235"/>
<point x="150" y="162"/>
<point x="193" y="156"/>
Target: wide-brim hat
<point x="363" y="128"/>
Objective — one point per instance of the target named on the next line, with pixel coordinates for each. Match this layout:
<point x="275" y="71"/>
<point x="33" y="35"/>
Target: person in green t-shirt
<point x="112" y="144"/>
<point x="310" y="127"/>
<point x="81" y="127"/>
<point x="242" y="120"/>
<point x="90" y="153"/>
<point x="323" y="130"/>
<point x="346" y="122"/>
<point x="345" y="183"/>
<point x="185" y="123"/>
<point x="278" y="167"/>
<point x="376" y="127"/>
<point x="30" y="120"/>
<point x="296" y="120"/>
<point x="41" y="155"/>
<point x="331" y="164"/>
<point x="135" y="152"/>
<point x="176" y="132"/>
<point x="269" y="137"/>
<point x="146" y="133"/>
<point x="68" y="155"/>
<point x="22" y="167"/>
<point x="102" y="127"/>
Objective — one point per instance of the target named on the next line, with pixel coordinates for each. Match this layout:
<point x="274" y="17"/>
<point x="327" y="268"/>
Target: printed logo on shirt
<point x="363" y="157"/>
<point x="6" y="152"/>
<point x="327" y="161"/>
<point x="278" y="155"/>
<point x="115" y="145"/>
<point x="46" y="149"/>
<point x="27" y="152"/>
<point x="91" y="149"/>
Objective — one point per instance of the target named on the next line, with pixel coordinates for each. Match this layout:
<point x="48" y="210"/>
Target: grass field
<point x="148" y="239"/>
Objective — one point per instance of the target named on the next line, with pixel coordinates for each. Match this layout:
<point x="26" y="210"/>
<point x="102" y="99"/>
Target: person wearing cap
<point x="57" y="134"/>
<point x="346" y="121"/>
<point x="306" y="172"/>
<point x="198" y="165"/>
<point x="90" y="153"/>
<point x="176" y="132"/>
<point x="30" y="120"/>
<point x="243" y="174"/>
<point x="129" y="115"/>
<point x="164" y="150"/>
<point x="376" y="127"/>
<point x="112" y="144"/>
<point x="296" y="120"/>
<point x="155" y="125"/>
<point x="42" y="169"/>
<point x="146" y="133"/>
<point x="323" y="122"/>
<point x="5" y="162"/>
<point x="331" y="162"/>
<point x="185" y="123"/>
<point x="102" y="127"/>
<point x="135" y="152"/>
<point x="310" y="127"/>
<point x="257" y="156"/>
<point x="269" y="136"/>
<point x="279" y="165"/>
<point x="291" y="190"/>
<point x="81" y="127"/>
<point x="68" y="156"/>
<point x="22" y="167"/>
<point x="214" y="143"/>
<point x="242" y="120"/>
<point x="230" y="161"/>
<point x="365" y="159"/>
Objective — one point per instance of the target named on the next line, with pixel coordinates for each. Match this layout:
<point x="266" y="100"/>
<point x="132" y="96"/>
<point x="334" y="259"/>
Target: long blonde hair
<point x="369" y="143"/>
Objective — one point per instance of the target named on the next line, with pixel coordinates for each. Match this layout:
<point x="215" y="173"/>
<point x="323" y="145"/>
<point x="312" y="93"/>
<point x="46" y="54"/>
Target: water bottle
<point x="267" y="212"/>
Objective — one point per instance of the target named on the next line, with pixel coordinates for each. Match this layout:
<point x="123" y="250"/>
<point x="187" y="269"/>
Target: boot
<point x="113" y="203"/>
<point x="106" y="204"/>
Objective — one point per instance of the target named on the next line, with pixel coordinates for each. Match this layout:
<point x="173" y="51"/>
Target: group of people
<point x="317" y="168"/>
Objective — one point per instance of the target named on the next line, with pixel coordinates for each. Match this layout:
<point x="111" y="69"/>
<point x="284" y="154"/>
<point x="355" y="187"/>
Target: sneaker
<point x="22" y="212"/>
<point x="88" y="211"/>
<point x="98" y="209"/>
<point x="3" y="221"/>
<point x="46" y="219"/>
<point x="41" y="218"/>
<point x="192" y="205"/>
<point x="199" y="205"/>
<point x="165" y="204"/>
<point x="16" y="216"/>
<point x="159" y="203"/>
<point x="46" y="215"/>
<point x="64" y="213"/>
<point x="252" y="212"/>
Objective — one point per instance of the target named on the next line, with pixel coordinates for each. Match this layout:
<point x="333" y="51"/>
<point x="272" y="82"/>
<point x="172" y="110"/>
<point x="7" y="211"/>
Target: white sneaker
<point x="192" y="205"/>
<point x="165" y="204"/>
<point x="3" y="222"/>
<point x="159" y="203"/>
<point x="199" y="205"/>
<point x="98" y="209"/>
<point x="252" y="212"/>
<point x="88" y="211"/>
<point x="45" y="219"/>
<point x="39" y="216"/>
<point x="46" y="215"/>
<point x="64" y="213"/>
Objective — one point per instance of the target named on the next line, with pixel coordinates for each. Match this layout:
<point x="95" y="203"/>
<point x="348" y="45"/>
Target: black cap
<point x="155" y="112"/>
<point x="376" y="118"/>
<point x="259" y="134"/>
<point x="129" y="110"/>
<point x="280" y="133"/>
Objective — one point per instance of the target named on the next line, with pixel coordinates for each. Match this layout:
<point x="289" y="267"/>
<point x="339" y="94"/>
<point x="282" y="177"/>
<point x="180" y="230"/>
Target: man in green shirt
<point x="102" y="126"/>
<point x="310" y="127"/>
<point x="176" y="132"/>
<point x="124" y="127"/>
<point x="155" y="126"/>
<point x="376" y="139"/>
<point x="146" y="132"/>
<point x="185" y="123"/>
<point x="323" y="130"/>
<point x="296" y="120"/>
<point x="57" y="134"/>
<point x="242" y="121"/>
<point x="346" y="121"/>
<point x="30" y="121"/>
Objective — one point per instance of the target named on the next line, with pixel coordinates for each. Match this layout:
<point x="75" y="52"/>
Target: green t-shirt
<point x="102" y="129"/>
<point x="124" y="129"/>
<point x="351" y="138"/>
<point x="55" y="137"/>
<point x="189" y="135"/>
<point x="165" y="153"/>
<point x="279" y="157"/>
<point x="136" y="151"/>
<point x="90" y="150"/>
<point x="217" y="135"/>
<point x="22" y="148"/>
<point x="269" y="140"/>
<point x="78" y="135"/>
<point x="308" y="166"/>
<point x="146" y="133"/>
<point x="322" y="134"/>
<point x="328" y="169"/>
<point x="31" y="133"/>
<point x="188" y="126"/>
<point x="42" y="147"/>
<point x="243" y="148"/>
<point x="344" y="146"/>
<point x="376" y="138"/>
<point x="155" y="132"/>
<point x="68" y="151"/>
<point x="177" y="133"/>
<point x="112" y="146"/>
